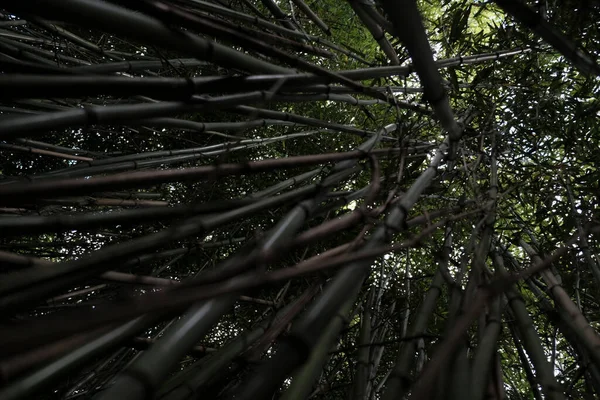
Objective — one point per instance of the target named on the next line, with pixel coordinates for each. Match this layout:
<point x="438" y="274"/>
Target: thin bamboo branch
<point x="43" y="152"/>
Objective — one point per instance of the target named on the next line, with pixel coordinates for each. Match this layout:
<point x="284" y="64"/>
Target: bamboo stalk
<point x="61" y="223"/>
<point x="588" y="335"/>
<point x="304" y="379"/>
<point x="200" y="318"/>
<point x="176" y="88"/>
<point x="312" y="16"/>
<point x="375" y="31"/>
<point x="105" y="16"/>
<point x="187" y="294"/>
<point x="346" y="285"/>
<point x="220" y="10"/>
<point x="534" y="21"/>
<point x="359" y="389"/>
<point x="530" y="338"/>
<point x="19" y="191"/>
<point x="45" y="376"/>
<point x="409" y="28"/>
<point x="399" y="381"/>
<point x="64" y="275"/>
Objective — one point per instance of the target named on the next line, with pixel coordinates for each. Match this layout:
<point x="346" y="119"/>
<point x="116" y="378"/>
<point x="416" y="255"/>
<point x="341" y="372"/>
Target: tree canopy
<point x="257" y="199"/>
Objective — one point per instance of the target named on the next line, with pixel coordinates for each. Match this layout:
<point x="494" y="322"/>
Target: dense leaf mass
<point x="313" y="199"/>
